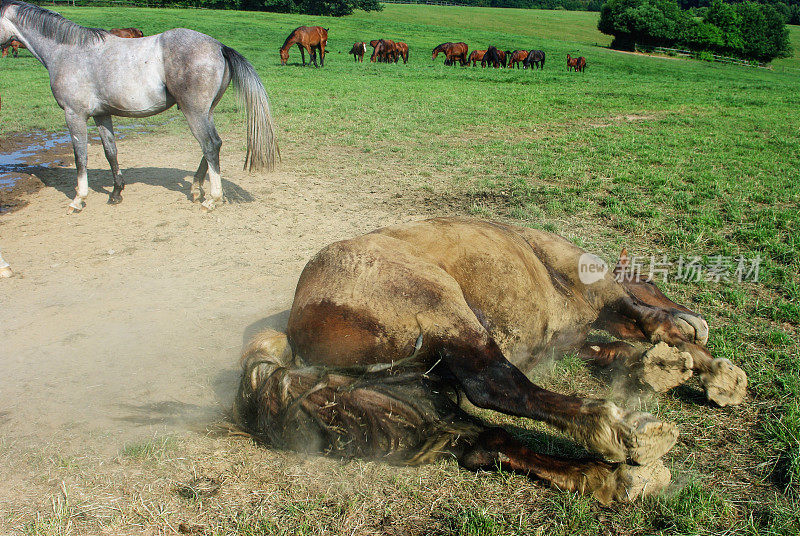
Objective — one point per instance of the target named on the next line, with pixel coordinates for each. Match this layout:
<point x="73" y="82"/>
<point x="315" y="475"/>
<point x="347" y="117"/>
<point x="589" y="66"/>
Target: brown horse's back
<point x="367" y="300"/>
<point x="127" y="32"/>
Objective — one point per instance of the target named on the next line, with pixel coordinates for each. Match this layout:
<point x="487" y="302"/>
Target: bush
<point x="747" y="30"/>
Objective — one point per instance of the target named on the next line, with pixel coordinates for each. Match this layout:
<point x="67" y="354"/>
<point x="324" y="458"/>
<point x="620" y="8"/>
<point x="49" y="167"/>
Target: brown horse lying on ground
<point x="308" y="39"/>
<point x="475" y="57"/>
<point x="358" y="51"/>
<point x="127" y="32"/>
<point x="14" y="45"/>
<point x="453" y="52"/>
<point x="535" y="59"/>
<point x="388" y="327"/>
<point x="517" y="57"/>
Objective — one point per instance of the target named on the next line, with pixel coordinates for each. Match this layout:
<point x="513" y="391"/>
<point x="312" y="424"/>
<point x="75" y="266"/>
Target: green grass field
<point x="665" y="156"/>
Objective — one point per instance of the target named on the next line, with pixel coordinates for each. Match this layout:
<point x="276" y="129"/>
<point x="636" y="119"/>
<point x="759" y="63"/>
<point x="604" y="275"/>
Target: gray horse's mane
<point x="52" y="24"/>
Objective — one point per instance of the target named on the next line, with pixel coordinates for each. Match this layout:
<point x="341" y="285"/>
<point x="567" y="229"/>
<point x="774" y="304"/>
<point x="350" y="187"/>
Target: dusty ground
<point x="125" y="322"/>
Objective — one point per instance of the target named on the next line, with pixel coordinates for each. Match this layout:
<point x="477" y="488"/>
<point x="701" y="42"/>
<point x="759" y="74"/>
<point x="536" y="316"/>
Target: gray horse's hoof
<point x="5" y="271"/>
<point x="73" y="209"/>
<point x="208" y="205"/>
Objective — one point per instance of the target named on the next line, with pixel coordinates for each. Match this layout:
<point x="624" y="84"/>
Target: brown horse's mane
<point x="52" y="25"/>
<point x="289" y="42"/>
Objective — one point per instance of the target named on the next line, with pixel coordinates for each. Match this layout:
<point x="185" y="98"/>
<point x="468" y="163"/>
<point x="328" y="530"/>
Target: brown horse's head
<point x="284" y="55"/>
<point x="642" y="287"/>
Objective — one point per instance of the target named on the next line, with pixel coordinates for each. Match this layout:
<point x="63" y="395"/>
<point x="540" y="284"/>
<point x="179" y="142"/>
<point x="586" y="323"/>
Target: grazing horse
<point x="385" y="51"/>
<point x="402" y="51"/>
<point x="535" y="59"/>
<point x="387" y="329"/>
<point x="14" y="45"/>
<point x="475" y="57"/>
<point x="494" y="57"/>
<point x="127" y="32"/>
<point x="358" y="51"/>
<point x="98" y="75"/>
<point x="517" y="57"/>
<point x="452" y="51"/>
<point x="307" y="38"/>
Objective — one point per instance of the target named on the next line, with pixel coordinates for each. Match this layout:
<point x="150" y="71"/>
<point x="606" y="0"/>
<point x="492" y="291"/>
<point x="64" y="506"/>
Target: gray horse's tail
<point x="262" y="146"/>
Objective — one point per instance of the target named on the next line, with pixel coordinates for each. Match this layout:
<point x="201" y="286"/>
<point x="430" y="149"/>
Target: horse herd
<point x="313" y="39"/>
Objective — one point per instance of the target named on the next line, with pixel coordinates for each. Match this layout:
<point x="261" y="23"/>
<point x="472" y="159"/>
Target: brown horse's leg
<point x="302" y="53"/>
<point x="496" y="448"/>
<point x="724" y="382"/>
<point x="492" y="382"/>
<point x="322" y="55"/>
<point x="660" y="367"/>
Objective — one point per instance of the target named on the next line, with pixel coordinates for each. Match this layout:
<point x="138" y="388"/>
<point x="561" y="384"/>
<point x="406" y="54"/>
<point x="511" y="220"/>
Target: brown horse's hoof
<point x="725" y="384"/>
<point x="624" y="436"/>
<point x="626" y="483"/>
<point x="114" y="200"/>
<point x="664" y="367"/>
<point x="693" y="327"/>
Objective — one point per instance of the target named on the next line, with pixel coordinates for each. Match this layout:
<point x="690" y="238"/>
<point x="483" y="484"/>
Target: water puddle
<point x="14" y="162"/>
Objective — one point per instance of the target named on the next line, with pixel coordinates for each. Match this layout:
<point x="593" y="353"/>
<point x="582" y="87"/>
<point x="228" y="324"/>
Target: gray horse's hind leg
<point x="77" y="130"/>
<point x="199" y="177"/>
<point x="202" y="126"/>
<point x="106" y="128"/>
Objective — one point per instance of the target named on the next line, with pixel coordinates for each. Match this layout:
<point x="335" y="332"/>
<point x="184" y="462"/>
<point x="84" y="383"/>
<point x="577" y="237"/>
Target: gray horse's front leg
<point x="77" y="130"/>
<point x="106" y="128"/>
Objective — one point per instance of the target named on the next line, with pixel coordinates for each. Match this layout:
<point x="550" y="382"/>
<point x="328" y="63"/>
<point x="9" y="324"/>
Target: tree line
<point x="747" y="30"/>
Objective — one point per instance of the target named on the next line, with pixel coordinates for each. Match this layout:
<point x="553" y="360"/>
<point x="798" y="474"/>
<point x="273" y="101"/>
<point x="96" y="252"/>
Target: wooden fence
<point x="699" y="55"/>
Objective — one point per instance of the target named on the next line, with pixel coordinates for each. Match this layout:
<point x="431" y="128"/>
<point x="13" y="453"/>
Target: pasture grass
<point x="666" y="157"/>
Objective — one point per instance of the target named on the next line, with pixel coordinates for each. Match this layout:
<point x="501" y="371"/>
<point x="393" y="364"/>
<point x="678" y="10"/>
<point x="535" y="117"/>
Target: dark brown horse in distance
<point x="358" y="51"/>
<point x="14" y="45"/>
<point x="308" y="39"/>
<point x="535" y="59"/>
<point x="386" y="329"/>
<point x="581" y="64"/>
<point x="475" y="57"/>
<point x="127" y="32"/>
<point x="385" y="51"/>
<point x="517" y="57"/>
<point x="453" y="52"/>
<point x="494" y="58"/>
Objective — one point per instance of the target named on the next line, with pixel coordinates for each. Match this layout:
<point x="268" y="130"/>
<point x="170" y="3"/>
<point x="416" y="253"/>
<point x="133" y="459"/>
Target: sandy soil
<point x="125" y="322"/>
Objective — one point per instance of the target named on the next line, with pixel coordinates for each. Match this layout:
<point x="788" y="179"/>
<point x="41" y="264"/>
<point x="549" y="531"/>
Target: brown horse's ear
<point x="623" y="262"/>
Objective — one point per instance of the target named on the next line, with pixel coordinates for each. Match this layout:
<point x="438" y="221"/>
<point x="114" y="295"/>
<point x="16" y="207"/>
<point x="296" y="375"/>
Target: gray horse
<point x="96" y="74"/>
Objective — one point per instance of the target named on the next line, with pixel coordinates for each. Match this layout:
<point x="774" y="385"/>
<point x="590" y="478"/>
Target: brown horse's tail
<point x="262" y="146"/>
<point x="399" y="416"/>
